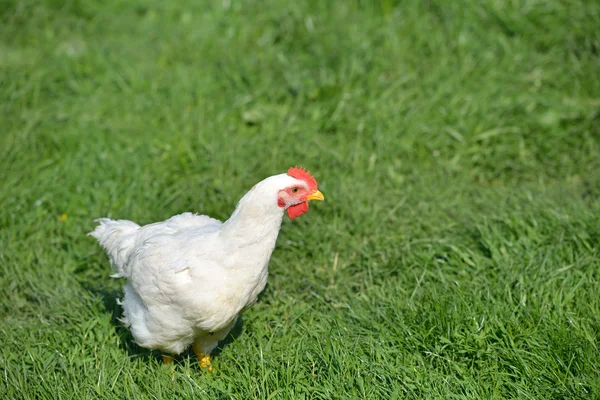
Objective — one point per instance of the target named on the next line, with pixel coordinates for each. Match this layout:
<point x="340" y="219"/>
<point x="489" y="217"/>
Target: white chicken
<point x="189" y="277"/>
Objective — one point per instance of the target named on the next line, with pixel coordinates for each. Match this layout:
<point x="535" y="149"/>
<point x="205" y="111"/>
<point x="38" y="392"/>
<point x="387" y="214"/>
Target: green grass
<point x="457" y="144"/>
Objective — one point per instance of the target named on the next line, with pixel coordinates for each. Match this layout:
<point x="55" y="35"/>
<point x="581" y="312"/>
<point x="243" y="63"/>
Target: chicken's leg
<point x="168" y="360"/>
<point x="205" y="344"/>
<point x="203" y="358"/>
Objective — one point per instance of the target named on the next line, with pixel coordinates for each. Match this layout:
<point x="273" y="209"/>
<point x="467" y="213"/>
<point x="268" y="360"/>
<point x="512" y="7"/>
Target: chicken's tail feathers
<point x="117" y="237"/>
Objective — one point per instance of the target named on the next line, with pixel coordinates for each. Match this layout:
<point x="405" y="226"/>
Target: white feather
<point x="190" y="276"/>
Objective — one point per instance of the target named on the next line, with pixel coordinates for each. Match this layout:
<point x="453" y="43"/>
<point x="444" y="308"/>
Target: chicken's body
<point x="189" y="277"/>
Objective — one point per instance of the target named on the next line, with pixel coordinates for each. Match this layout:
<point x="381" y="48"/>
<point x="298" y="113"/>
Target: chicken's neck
<point x="256" y="221"/>
<point x="246" y="227"/>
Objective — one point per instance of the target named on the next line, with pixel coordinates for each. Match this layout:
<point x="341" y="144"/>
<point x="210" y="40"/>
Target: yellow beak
<point x="316" y="195"/>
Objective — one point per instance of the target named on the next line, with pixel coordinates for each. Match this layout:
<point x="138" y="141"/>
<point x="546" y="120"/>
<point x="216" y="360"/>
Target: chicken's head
<point x="294" y="199"/>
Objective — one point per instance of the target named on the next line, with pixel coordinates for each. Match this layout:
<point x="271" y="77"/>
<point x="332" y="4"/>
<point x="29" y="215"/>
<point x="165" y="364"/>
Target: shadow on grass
<point x="127" y="343"/>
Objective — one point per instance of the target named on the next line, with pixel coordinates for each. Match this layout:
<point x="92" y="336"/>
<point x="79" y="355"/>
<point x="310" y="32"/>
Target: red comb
<point x="303" y="175"/>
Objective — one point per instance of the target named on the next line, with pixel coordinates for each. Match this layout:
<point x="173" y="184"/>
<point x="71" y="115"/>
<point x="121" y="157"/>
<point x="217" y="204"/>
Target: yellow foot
<point x="168" y="360"/>
<point x="205" y="363"/>
<point x="204" y="359"/>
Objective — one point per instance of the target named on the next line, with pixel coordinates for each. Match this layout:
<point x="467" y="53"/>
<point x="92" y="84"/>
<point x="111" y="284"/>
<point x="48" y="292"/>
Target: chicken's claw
<point x="205" y="363"/>
<point x="168" y="360"/>
<point x="204" y="359"/>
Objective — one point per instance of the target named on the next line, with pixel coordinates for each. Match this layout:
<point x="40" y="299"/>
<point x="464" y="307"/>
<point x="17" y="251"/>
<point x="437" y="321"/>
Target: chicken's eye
<point x="295" y="190"/>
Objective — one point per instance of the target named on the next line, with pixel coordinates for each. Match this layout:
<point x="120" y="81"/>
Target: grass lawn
<point x="457" y="253"/>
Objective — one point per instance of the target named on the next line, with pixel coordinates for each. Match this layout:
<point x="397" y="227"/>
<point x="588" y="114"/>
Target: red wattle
<point x="297" y="210"/>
